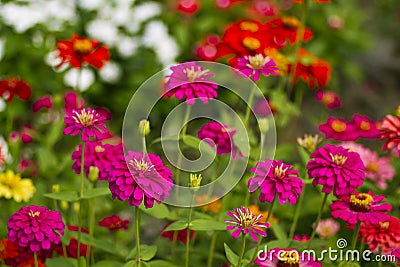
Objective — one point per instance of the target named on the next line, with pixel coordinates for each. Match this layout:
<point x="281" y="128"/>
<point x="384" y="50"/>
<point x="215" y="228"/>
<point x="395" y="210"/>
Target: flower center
<point x="193" y="74"/>
<point x="372" y="167"/>
<point x="365" y="125"/>
<point x="288" y="259"/>
<point x="141" y="165"/>
<point x="248" y="26"/>
<point x="291" y="22"/>
<point x="12" y="82"/>
<point x="327" y="98"/>
<point x="251" y="43"/>
<point x="338" y="159"/>
<point x="384" y="225"/>
<point x="248" y="219"/>
<point x="361" y="202"/>
<point x="85" y="118"/>
<point x="280" y="172"/>
<point x="338" y="126"/>
<point x="34" y="214"/>
<point x="99" y="149"/>
<point x="257" y="62"/>
<point x="83" y="46"/>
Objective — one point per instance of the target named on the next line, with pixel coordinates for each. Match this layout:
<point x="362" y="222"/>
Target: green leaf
<point x="102" y="244"/>
<point x="176" y="226"/>
<point x="207" y="225"/>
<point x="279" y="233"/>
<point x="159" y="211"/>
<point x="131" y="263"/>
<point x="146" y="252"/>
<point x="107" y="263"/>
<point x="161" y="263"/>
<point x="232" y="257"/>
<point x="96" y="192"/>
<point x="54" y="133"/>
<point x="196" y="143"/>
<point x="61" y="262"/>
<point x="82" y="261"/>
<point x="70" y="196"/>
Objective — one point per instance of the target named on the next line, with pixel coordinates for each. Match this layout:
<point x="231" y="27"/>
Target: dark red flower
<point x="72" y="248"/>
<point x="8" y="249"/>
<point x="114" y="223"/>
<point x="180" y="236"/>
<point x="207" y="49"/>
<point x="14" y="86"/>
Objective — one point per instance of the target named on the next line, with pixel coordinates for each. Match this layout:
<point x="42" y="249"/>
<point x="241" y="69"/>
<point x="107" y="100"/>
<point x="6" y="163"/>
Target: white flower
<point x="104" y="31"/>
<point x="127" y="46"/>
<point x="111" y="72"/>
<point x="86" y="78"/>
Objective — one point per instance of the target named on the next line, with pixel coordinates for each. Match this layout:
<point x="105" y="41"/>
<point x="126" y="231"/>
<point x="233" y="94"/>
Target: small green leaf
<point x="196" y="143"/>
<point x="207" y="225"/>
<point x="82" y="261"/>
<point x="279" y="233"/>
<point x="176" y="226"/>
<point x="70" y="196"/>
<point x="232" y="257"/>
<point x="131" y="263"/>
<point x="107" y="263"/>
<point x="146" y="253"/>
<point x="159" y="211"/>
<point x="61" y="262"/>
<point x="96" y="192"/>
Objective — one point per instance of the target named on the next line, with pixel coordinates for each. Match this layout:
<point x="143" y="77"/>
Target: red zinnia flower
<point x="180" y="236"/>
<point x="390" y="129"/>
<point x="8" y="249"/>
<point x="80" y="50"/>
<point x="114" y="223"/>
<point x="188" y="7"/>
<point x="384" y="235"/>
<point x="207" y="49"/>
<point x="14" y="86"/>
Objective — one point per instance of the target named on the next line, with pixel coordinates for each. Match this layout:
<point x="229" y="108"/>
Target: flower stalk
<point x="137" y="229"/>
<point x="239" y="263"/>
<point x="317" y="220"/>
<point x="80" y="202"/>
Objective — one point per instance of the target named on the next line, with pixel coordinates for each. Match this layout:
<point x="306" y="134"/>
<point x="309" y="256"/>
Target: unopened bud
<point x="195" y="181"/>
<point x="76" y="207"/>
<point x="309" y="142"/>
<point x="93" y="173"/>
<point x="55" y="188"/>
<point x="64" y="205"/>
<point x="144" y="127"/>
<point x="263" y="124"/>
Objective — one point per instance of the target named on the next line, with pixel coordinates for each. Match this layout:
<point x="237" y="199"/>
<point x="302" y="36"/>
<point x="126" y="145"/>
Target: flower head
<point x="327" y="228"/>
<point x="195" y="181"/>
<point x="338" y="129"/>
<point x="309" y="142"/>
<point x="390" y="131"/>
<point x="189" y="80"/>
<point x="246" y="222"/>
<point x="360" y="207"/>
<point x="329" y="98"/>
<point x="285" y="257"/>
<point x="276" y="179"/>
<point x="86" y="121"/>
<point x="383" y="235"/>
<point x="45" y="102"/>
<point x="8" y="249"/>
<point x="80" y="50"/>
<point x="137" y="178"/>
<point x="114" y="223"/>
<point x="35" y="227"/>
<point x="221" y="136"/>
<point x="336" y="169"/>
<point x="254" y="65"/>
<point x="365" y="127"/>
<point x="15" y="187"/>
<point x="14" y="86"/>
<point x="188" y="7"/>
<point x="181" y="235"/>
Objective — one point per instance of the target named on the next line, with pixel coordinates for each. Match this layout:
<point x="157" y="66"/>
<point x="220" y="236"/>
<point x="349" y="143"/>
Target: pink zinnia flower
<point x="278" y="257"/>
<point x="378" y="169"/>
<point x="221" y="136"/>
<point x="338" y="129"/>
<point x="73" y="102"/>
<point x="382" y="235"/>
<point x="360" y="207"/>
<point x="189" y="80"/>
<point x="327" y="228"/>
<point x="301" y="238"/>
<point x="336" y="169"/>
<point x="246" y="222"/>
<point x="329" y="98"/>
<point x="390" y="129"/>
<point x="34" y="227"/>
<point x="136" y="179"/>
<point x="181" y="235"/>
<point x="45" y="102"/>
<point x="86" y="121"/>
<point x="276" y="179"/>
<point x="396" y="253"/>
<point x="365" y="127"/>
<point x="114" y="223"/>
<point x="97" y="155"/>
<point x="255" y="65"/>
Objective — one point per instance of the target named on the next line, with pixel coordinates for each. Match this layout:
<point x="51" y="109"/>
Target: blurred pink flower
<point x="327" y="228"/>
<point x="329" y="98"/>
<point x="45" y="102"/>
<point x="301" y="238"/>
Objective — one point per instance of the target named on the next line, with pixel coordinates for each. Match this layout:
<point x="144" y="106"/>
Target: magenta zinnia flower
<point x="289" y="257"/>
<point x="338" y="129"/>
<point x="329" y="98"/>
<point x="361" y="207"/>
<point x="34" y="227"/>
<point x="189" y="80"/>
<point x="390" y="129"/>
<point x="336" y="169"/>
<point x="276" y="179"/>
<point x="97" y="155"/>
<point x="45" y="102"/>
<point x="86" y="121"/>
<point x="365" y="127"/>
<point x="255" y="65"/>
<point x="246" y="222"/>
<point x="136" y="178"/>
<point x="221" y="136"/>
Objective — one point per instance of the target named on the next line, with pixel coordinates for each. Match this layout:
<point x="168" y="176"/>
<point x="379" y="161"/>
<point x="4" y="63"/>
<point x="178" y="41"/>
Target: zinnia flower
<point x="382" y="235"/>
<point x="181" y="235"/>
<point x="336" y="169"/>
<point x="80" y="50"/>
<point x="390" y="129"/>
<point x="221" y="136"/>
<point x="34" y="227"/>
<point x="86" y="121"/>
<point x="301" y="238"/>
<point x="246" y="222"/>
<point x="365" y="127"/>
<point x="8" y="249"/>
<point x="189" y="80"/>
<point x="338" y="129"/>
<point x="13" y="186"/>
<point x="114" y="223"/>
<point x="14" y="86"/>
<point x="329" y="98"/>
<point x="255" y="65"/>
<point x="188" y="7"/>
<point x="276" y="179"/>
<point x="279" y="257"/>
<point x="360" y="207"/>
<point x="45" y="102"/>
<point x="140" y="179"/>
<point x="309" y="142"/>
<point x="327" y="228"/>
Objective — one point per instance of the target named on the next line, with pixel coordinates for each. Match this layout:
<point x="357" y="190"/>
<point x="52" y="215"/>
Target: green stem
<point x="296" y="215"/>
<point x="355" y="236"/>
<point x="91" y="227"/>
<point x="189" y="217"/>
<point x="80" y="202"/>
<point x="35" y="259"/>
<point x="212" y="248"/>
<point x="182" y="134"/>
<point x="137" y="226"/>
<point x="317" y="221"/>
<point x="144" y="145"/>
<point x="173" y="246"/>
<point x="249" y="106"/>
<point x="242" y="250"/>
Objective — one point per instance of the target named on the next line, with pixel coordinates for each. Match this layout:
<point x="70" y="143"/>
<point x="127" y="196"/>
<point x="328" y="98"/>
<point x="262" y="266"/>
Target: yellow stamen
<point x="34" y="214"/>
<point x="280" y="172"/>
<point x="361" y="202"/>
<point x="193" y="74"/>
<point x="84" y="118"/>
<point x="257" y="62"/>
<point x="251" y="43"/>
<point x="83" y="46"/>
<point x="338" y="159"/>
<point x="248" y="26"/>
<point x="338" y="126"/>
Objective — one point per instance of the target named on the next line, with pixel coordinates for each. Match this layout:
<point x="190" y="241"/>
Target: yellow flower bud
<point x="55" y="188"/>
<point x="195" y="181"/>
<point x="144" y="127"/>
<point x="93" y="173"/>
